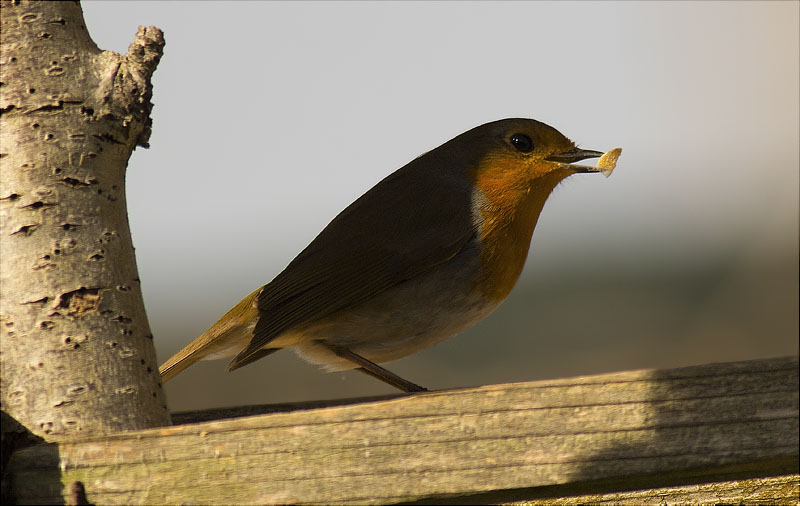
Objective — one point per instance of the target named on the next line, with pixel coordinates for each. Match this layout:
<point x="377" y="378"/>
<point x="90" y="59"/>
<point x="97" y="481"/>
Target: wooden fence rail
<point x="715" y="433"/>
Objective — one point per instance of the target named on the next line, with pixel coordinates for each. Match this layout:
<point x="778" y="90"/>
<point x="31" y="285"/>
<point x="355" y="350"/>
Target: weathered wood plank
<point x="771" y="490"/>
<point x="721" y="421"/>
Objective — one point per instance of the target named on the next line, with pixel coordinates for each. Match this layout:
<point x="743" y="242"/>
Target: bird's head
<point x="514" y="166"/>
<point x="522" y="150"/>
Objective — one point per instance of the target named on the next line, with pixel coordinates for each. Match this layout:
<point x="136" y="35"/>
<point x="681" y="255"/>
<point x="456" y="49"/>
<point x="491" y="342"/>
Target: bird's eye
<point x="522" y="142"/>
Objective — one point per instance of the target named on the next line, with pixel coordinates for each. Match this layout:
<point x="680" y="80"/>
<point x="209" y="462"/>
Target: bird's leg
<point x="375" y="370"/>
<point x="390" y="378"/>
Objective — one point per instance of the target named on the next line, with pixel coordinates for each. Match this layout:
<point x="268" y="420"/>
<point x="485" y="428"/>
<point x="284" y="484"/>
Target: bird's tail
<point x="230" y="335"/>
<point x="178" y="363"/>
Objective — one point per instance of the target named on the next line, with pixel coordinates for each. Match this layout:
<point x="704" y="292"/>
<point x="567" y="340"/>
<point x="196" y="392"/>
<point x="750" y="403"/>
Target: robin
<point x="429" y="251"/>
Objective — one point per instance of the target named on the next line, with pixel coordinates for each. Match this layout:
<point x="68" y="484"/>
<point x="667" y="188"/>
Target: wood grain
<point x="587" y="435"/>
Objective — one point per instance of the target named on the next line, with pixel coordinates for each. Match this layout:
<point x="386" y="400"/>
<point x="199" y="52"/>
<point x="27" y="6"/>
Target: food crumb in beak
<point x="608" y="161"/>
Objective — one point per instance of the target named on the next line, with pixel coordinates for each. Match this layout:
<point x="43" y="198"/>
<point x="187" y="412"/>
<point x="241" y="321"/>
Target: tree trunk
<point x="77" y="352"/>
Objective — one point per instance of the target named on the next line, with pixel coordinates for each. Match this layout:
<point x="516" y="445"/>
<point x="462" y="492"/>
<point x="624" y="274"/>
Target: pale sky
<point x="271" y="117"/>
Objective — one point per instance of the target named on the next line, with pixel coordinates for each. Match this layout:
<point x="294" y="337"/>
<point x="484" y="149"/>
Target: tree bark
<point x="77" y="352"/>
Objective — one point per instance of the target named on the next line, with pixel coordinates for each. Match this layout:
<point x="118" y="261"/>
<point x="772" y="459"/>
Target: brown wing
<point x="416" y="218"/>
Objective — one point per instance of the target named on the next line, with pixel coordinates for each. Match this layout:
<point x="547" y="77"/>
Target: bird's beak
<point x="575" y="155"/>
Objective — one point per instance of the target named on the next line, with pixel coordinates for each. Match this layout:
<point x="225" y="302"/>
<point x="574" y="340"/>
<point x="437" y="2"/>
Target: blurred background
<point x="271" y="117"/>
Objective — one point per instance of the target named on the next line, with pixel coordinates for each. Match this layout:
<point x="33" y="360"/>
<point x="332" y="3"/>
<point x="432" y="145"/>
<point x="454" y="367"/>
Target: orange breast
<point x="508" y="200"/>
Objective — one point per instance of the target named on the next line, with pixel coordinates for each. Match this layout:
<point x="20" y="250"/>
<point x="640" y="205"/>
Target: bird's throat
<point x="506" y="213"/>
